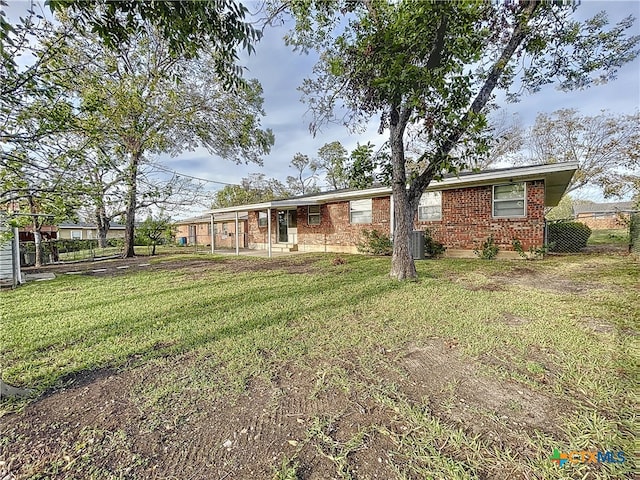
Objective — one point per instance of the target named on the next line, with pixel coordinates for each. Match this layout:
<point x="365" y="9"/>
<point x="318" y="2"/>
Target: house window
<point x="430" y="207"/>
<point x="76" y="234"/>
<point x="360" y="211"/>
<point x="225" y="229"/>
<point x="509" y="200"/>
<point x="262" y="219"/>
<point x="314" y="215"/>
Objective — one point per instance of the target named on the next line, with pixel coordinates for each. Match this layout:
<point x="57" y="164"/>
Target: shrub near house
<point x="568" y="236"/>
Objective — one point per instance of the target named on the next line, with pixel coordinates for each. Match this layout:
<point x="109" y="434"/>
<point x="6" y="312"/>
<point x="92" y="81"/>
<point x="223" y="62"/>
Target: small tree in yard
<point x="434" y="66"/>
<point x="155" y="231"/>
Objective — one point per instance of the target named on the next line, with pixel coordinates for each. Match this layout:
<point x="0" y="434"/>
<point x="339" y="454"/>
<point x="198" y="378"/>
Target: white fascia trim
<point x="532" y="173"/>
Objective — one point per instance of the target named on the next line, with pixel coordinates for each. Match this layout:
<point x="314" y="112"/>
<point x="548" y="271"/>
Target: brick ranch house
<point x="460" y="211"/>
<point x="599" y="216"/>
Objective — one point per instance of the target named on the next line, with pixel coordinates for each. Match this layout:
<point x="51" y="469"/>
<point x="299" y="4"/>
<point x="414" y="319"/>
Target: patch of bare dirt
<point x="513" y="320"/>
<point x="528" y="277"/>
<point x="458" y="391"/>
<point x="97" y="427"/>
<point x="106" y="424"/>
<point x="521" y="276"/>
<point x="294" y="265"/>
<point x="598" y="325"/>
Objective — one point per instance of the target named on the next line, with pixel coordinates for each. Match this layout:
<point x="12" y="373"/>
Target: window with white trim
<point x="430" y="207"/>
<point x="313" y="215"/>
<point x="262" y="219"/>
<point x="510" y="200"/>
<point x="76" y="234"/>
<point x="360" y="211"/>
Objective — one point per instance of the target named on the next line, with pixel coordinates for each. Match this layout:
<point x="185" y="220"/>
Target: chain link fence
<point x="571" y="236"/>
<point x="567" y="236"/>
<point x="64" y="250"/>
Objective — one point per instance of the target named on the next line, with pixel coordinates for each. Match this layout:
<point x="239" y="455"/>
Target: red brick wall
<point x="335" y="228"/>
<point x="258" y="235"/>
<point x="203" y="234"/>
<point x="467" y="219"/>
<point x="604" y="222"/>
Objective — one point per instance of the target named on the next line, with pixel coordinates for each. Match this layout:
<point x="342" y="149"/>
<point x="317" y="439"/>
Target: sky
<point x="281" y="71"/>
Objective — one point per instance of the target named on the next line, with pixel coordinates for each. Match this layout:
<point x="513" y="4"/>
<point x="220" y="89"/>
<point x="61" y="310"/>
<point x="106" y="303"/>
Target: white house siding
<point x="6" y="256"/>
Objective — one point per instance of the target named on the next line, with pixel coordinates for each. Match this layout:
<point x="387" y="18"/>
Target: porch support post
<point x="237" y="236"/>
<point x="269" y="232"/>
<point x="213" y="236"/>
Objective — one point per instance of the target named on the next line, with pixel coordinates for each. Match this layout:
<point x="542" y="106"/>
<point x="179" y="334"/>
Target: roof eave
<point x="556" y="176"/>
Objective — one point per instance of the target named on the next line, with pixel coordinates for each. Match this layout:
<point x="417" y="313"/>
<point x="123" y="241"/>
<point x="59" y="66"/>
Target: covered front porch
<point x="272" y="226"/>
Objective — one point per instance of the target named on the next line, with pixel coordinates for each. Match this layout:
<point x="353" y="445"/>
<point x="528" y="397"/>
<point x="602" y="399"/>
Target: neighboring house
<point x="600" y="216"/>
<point x="48" y="232"/>
<point x="197" y="230"/>
<point x="87" y="231"/>
<point x="459" y="211"/>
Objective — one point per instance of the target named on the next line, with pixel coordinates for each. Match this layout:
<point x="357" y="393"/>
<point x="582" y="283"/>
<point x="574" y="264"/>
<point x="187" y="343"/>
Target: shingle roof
<point x="112" y="225"/>
<point x="207" y="218"/>
<point x="611" y="207"/>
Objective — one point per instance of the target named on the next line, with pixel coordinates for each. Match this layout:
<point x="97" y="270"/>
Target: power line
<point x="159" y="167"/>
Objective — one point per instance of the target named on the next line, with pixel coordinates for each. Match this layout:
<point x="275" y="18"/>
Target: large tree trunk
<point x="37" y="239"/>
<point x="130" y="213"/>
<point x="102" y="222"/>
<point x="402" y="264"/>
<point x="36" y="224"/>
<point x="406" y="201"/>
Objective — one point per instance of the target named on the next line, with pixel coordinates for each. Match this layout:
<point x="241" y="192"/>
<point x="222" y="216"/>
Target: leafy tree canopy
<point x="215" y="26"/>
<point x="606" y="147"/>
<point x="255" y="188"/>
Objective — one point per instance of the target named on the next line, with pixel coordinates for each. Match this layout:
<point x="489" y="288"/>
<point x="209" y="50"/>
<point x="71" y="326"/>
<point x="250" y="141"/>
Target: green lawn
<point x="552" y="343"/>
<point x="609" y="237"/>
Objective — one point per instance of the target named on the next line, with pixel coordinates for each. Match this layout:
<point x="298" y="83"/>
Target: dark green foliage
<point x="188" y="28"/>
<point x="154" y="231"/>
<point x="517" y="246"/>
<point x="375" y="243"/>
<point x="488" y="250"/>
<point x="432" y="248"/>
<point x="255" y="188"/>
<point x="568" y="236"/>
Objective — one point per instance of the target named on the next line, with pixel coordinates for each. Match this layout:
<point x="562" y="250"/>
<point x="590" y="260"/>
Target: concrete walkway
<point x="249" y="252"/>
